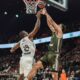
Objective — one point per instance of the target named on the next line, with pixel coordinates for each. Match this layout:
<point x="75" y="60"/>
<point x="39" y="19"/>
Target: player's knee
<point x="38" y="65"/>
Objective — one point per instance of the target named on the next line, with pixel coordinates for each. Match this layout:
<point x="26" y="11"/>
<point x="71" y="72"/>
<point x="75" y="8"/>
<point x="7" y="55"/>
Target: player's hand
<point x="11" y="50"/>
<point x="38" y="15"/>
<point x="44" y="11"/>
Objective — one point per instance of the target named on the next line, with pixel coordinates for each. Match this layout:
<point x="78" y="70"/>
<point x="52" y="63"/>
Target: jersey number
<point x="26" y="48"/>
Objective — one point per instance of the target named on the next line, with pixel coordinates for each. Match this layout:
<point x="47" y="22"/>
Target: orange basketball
<point x="41" y="4"/>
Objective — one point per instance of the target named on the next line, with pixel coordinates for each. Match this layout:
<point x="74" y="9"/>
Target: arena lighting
<point x="17" y="15"/>
<point x="44" y="40"/>
<point x="5" y="13"/>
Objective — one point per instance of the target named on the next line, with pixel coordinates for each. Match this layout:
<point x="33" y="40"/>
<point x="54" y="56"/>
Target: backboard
<point x="31" y="5"/>
<point x="60" y="4"/>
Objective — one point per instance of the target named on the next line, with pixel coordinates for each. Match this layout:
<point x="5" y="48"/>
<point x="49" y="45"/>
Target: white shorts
<point x="26" y="63"/>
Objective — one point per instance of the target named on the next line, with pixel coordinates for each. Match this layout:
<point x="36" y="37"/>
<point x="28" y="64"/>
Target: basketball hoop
<point x="31" y="6"/>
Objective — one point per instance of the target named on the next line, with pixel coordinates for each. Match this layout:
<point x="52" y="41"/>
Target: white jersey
<point x="27" y="47"/>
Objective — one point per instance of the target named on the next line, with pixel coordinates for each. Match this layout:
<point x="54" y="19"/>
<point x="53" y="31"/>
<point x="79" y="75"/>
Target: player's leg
<point x="27" y="67"/>
<point x="55" y="75"/>
<point x="21" y="77"/>
<point x="39" y="65"/>
<point x="21" y="70"/>
<point x="33" y="72"/>
<point x="52" y="61"/>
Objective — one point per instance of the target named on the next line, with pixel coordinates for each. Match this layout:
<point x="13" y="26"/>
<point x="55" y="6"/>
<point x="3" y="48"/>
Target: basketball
<point x="41" y="4"/>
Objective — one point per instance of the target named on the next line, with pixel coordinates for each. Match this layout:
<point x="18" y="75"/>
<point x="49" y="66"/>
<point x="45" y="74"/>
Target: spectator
<point x="63" y="75"/>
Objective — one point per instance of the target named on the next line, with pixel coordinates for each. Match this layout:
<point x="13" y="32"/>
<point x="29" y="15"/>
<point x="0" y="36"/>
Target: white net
<point x="31" y="6"/>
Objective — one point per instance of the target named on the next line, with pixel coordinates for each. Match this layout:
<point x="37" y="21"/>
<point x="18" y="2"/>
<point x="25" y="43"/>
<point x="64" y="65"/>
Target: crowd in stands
<point x="70" y="62"/>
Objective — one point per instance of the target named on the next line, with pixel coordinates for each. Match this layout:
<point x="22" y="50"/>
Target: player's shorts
<point x="48" y="59"/>
<point x="25" y="65"/>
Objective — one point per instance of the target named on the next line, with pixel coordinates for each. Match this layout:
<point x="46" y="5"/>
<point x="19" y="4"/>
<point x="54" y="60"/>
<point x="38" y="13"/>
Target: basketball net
<point x="31" y="6"/>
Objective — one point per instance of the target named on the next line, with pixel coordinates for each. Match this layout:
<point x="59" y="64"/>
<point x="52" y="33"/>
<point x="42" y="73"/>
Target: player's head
<point x="23" y="34"/>
<point x="63" y="27"/>
<point x="63" y="71"/>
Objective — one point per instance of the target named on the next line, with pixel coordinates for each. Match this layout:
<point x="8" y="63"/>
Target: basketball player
<point x="28" y="49"/>
<point x="49" y="58"/>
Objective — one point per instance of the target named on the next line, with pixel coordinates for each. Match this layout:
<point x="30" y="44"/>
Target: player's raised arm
<point x="15" y="47"/>
<point x="36" y="28"/>
<point x="54" y="27"/>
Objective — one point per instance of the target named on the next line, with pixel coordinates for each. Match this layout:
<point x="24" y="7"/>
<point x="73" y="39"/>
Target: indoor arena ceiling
<point x="13" y="18"/>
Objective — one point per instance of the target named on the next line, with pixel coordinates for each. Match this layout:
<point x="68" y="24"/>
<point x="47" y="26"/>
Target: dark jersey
<point x="55" y="44"/>
<point x="53" y="49"/>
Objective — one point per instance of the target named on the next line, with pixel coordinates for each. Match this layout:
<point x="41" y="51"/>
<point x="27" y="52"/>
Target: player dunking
<point x="54" y="47"/>
<point x="28" y="49"/>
